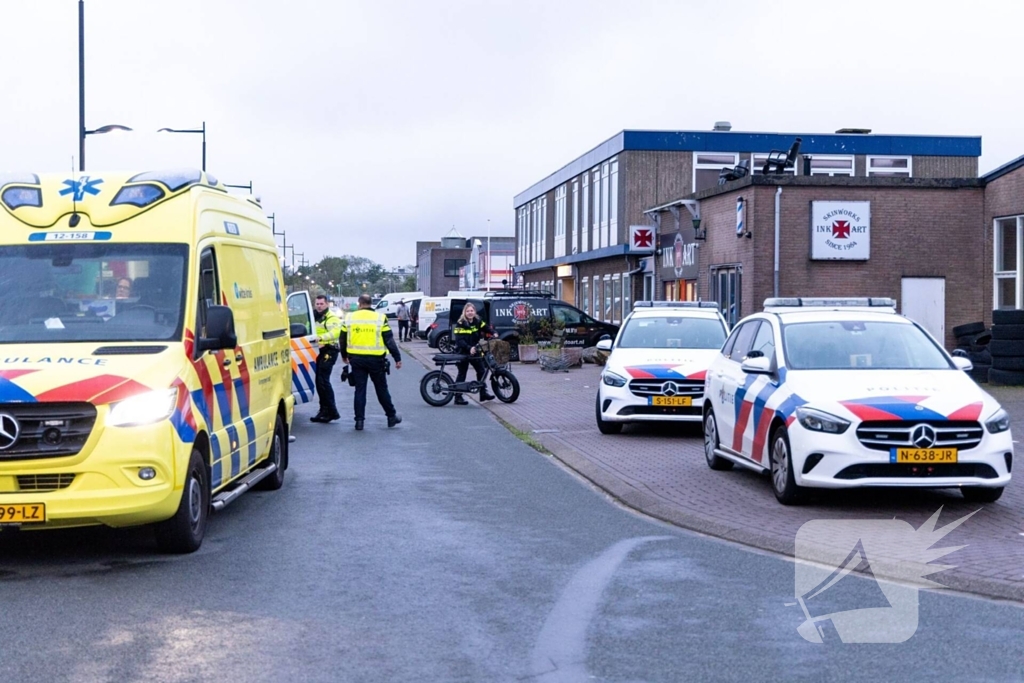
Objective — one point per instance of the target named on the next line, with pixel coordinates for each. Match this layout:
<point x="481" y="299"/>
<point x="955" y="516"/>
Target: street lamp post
<point x="201" y="131"/>
<point x="81" y="85"/>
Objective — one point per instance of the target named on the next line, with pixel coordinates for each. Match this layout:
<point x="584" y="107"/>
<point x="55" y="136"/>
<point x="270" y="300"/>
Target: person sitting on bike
<point x="468" y="332"/>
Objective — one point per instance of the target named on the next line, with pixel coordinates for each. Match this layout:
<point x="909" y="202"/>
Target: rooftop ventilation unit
<point x="853" y="131"/>
<point x="722" y="125"/>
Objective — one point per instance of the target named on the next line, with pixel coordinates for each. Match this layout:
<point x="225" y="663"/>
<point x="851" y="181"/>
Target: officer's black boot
<point x="359" y="425"/>
<point x="460" y="400"/>
<point x="394" y="420"/>
<point x="319" y="417"/>
<point x="485" y="395"/>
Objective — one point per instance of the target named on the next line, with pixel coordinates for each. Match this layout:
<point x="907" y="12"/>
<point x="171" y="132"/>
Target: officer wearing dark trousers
<point x="365" y="340"/>
<point x="328" y="327"/>
<point x="467" y="333"/>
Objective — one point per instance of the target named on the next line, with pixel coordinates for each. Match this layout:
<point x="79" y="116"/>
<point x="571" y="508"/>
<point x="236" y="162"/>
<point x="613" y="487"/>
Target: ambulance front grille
<point x="30" y="431"/>
<point x="44" y="482"/>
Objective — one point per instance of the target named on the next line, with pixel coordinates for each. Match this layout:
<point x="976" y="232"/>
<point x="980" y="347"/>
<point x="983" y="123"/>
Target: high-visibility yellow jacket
<point x="366" y="333"/>
<point x="328" y="329"/>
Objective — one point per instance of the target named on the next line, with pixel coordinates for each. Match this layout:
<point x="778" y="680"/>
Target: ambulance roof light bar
<point x="879" y="302"/>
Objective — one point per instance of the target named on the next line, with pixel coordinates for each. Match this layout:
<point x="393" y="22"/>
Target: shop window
<point x="627" y="294"/>
<point x="452" y="265"/>
<point x="595" y="233"/>
<point x="585" y="206"/>
<point x="725" y="289"/>
<point x="1009" y="254"/>
<point x="574" y="244"/>
<point x="560" y="218"/>
<point x="607" y="310"/>
<point x="616" y="311"/>
<point x="894" y="167"/>
<point x="707" y="166"/>
<point x="585" y="295"/>
<point x="832" y="165"/>
<point x="597" y="298"/>
<point x="613" y="204"/>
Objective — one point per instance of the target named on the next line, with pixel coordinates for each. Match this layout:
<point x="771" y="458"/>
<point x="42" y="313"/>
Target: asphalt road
<point x="447" y="550"/>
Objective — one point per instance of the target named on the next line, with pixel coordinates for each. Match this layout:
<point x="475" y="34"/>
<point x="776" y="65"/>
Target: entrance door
<point x="923" y="300"/>
<point x="567" y="290"/>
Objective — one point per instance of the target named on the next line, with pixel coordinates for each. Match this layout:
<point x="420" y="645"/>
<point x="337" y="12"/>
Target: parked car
<point x="846" y="393"/>
<point x="657" y="364"/>
<point x="505" y="309"/>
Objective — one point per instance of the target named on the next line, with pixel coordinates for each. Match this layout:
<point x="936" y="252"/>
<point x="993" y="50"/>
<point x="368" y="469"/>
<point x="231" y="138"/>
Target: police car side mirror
<point x="220" y="330"/>
<point x="298" y="330"/>
<point x="962" y="363"/>
<point x="604" y="345"/>
<point x="757" y="366"/>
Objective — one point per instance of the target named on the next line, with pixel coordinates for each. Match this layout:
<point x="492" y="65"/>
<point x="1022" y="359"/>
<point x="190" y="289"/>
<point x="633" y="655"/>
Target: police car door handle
<point x="238" y="357"/>
<point x="226" y="362"/>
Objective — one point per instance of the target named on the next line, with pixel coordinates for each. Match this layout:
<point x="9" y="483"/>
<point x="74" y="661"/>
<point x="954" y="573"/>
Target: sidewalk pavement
<point x="660" y="470"/>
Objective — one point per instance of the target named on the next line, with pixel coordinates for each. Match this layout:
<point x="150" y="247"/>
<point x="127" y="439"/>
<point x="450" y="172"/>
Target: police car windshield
<point x="864" y="345"/>
<point x="91" y="292"/>
<point x="672" y="332"/>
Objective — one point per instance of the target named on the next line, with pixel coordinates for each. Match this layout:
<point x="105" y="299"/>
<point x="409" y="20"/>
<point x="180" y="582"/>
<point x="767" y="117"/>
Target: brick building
<point x="573" y="227"/>
<point x="457" y="262"/>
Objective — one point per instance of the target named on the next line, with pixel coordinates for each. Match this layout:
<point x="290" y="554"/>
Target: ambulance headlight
<point x="143" y="409"/>
<point x="819" y="421"/>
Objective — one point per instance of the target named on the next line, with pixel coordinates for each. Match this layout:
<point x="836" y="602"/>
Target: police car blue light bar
<point x="675" y="304"/>
<point x="830" y="302"/>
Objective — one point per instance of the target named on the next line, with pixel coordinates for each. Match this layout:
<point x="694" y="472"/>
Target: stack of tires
<point x="1007" y="347"/>
<point x="973" y="339"/>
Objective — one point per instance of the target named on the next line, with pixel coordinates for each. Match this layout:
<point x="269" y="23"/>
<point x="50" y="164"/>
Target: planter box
<point x="528" y="353"/>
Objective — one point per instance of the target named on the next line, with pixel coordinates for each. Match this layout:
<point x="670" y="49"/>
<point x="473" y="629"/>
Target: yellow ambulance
<point x="150" y="359"/>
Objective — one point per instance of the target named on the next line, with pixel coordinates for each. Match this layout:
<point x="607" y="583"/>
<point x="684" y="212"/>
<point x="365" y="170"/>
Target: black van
<point x="505" y="308"/>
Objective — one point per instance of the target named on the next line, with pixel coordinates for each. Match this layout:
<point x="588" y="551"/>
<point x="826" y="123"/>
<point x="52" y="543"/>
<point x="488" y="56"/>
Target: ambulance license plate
<point x="923" y="456"/>
<point x="671" y="401"/>
<point x="23" y="514"/>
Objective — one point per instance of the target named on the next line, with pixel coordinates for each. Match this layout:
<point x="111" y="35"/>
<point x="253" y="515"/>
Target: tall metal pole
<point x="204" y="154"/>
<point x="81" y="85"/>
<point x="488" y="254"/>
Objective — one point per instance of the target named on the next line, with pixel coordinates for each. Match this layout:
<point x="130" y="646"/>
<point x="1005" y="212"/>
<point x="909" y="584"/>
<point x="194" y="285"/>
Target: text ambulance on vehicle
<point x="146" y="356"/>
<point x="844" y="393"/>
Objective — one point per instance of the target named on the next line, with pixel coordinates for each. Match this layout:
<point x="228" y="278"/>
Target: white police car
<point x="839" y="393"/>
<point x="656" y="368"/>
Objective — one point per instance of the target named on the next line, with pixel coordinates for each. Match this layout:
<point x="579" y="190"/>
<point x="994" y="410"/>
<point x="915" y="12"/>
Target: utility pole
<point x="81" y="85"/>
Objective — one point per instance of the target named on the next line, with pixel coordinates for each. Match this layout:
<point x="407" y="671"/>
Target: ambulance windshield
<point x="73" y="292"/>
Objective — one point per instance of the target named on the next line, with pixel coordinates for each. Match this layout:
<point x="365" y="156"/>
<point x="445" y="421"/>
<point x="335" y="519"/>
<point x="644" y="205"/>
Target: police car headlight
<point x="613" y="380"/>
<point x="143" y="409"/>
<point x="818" y="421"/>
<point x="999" y="422"/>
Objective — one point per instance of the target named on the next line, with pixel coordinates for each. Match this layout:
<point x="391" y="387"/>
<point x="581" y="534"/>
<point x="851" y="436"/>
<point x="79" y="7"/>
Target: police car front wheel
<point x="981" y="494"/>
<point x="604" y="426"/>
<point x="783" y="481"/>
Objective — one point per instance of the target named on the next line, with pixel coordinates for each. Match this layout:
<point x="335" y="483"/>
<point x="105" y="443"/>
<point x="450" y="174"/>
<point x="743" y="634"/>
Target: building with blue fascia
<point x="573" y="227"/>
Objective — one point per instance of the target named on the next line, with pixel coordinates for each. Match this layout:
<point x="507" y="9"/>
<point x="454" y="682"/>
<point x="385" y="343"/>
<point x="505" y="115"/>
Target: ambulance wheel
<point x="980" y="494"/>
<point x="711" y="444"/>
<point x="183" y="533"/>
<point x="278" y="456"/>
<point x="783" y="482"/>
<point x="434" y="388"/>
<point x="604" y="426"/>
<point x="505" y="386"/>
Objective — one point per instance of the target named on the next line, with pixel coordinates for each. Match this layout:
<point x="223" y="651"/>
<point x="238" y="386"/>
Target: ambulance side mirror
<point x="220" y="330"/>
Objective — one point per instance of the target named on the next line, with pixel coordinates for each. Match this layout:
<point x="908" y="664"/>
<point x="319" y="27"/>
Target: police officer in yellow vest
<point x="328" y="327"/>
<point x="365" y="339"/>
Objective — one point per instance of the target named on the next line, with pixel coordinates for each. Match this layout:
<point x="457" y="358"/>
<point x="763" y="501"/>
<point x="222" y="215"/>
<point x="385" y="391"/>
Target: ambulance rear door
<point x="304" y="347"/>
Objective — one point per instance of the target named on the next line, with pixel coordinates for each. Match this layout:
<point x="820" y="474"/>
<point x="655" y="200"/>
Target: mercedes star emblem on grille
<point x="669" y="388"/>
<point x="9" y="431"/>
<point x="923" y="436"/>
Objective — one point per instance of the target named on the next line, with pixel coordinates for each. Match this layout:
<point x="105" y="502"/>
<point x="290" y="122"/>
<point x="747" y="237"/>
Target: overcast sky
<point x="366" y="125"/>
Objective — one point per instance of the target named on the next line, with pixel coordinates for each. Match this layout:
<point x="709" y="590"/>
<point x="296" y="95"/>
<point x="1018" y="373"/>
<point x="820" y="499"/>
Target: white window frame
<point x="585" y="231"/>
<point x="595" y="232"/>
<point x="757" y="160"/>
<point x="574" y="245"/>
<point x="606" y="202"/>
<point x="626" y="295"/>
<point x="613" y="204"/>
<point x="597" y="307"/>
<point x="543" y="228"/>
<point x="607" y="299"/>
<point x="1018" y="273"/>
<point x="560" y="219"/>
<point x="883" y="171"/>
<point x="709" y="166"/>
<point x="834" y="171"/>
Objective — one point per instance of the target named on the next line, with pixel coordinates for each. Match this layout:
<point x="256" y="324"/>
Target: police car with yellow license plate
<point x="656" y="368"/>
<point x="844" y="393"/>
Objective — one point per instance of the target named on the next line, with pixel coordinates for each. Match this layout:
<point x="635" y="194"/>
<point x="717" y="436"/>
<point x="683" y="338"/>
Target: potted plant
<point x="528" y="351"/>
